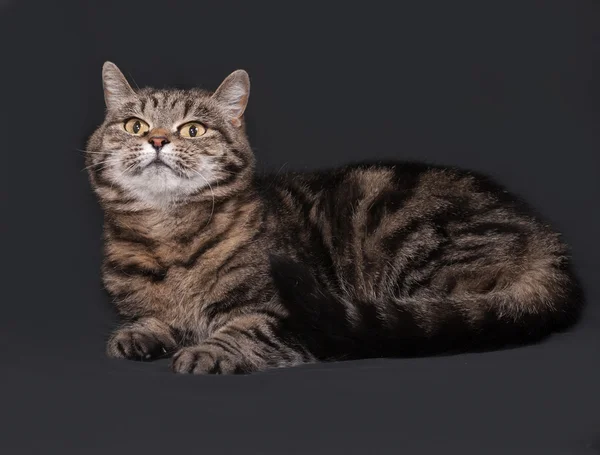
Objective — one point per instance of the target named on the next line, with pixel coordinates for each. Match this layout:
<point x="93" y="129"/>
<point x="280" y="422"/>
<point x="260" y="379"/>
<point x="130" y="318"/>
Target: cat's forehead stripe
<point x="187" y="106"/>
<point x="201" y="111"/>
<point x="129" y="106"/>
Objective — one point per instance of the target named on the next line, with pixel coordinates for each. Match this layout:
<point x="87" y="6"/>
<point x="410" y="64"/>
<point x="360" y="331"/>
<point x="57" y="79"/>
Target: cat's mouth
<point x="157" y="163"/>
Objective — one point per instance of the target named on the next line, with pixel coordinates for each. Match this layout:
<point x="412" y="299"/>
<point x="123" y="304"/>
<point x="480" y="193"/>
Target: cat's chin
<point x="158" y="167"/>
<point x="159" y="186"/>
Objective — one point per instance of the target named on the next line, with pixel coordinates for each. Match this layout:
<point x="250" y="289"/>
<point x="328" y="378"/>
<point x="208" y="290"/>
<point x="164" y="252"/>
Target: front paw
<point x="208" y="360"/>
<point x="136" y="344"/>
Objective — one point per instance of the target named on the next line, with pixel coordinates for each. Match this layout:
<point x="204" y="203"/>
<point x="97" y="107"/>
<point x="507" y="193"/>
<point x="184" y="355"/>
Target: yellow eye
<point x="136" y="126"/>
<point x="192" y="130"/>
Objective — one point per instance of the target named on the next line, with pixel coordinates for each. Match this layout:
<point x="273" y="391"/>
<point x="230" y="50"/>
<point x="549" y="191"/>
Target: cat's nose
<point x="158" y="142"/>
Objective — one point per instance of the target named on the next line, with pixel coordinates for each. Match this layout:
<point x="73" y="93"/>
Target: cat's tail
<point x="524" y="312"/>
<point x="529" y="309"/>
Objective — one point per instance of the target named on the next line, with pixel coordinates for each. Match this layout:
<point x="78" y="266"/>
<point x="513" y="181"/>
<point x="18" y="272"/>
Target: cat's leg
<point x="245" y="344"/>
<point x="144" y="339"/>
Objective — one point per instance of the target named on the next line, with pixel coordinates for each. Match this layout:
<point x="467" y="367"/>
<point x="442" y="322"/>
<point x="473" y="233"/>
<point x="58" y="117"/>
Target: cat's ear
<point x="233" y="95"/>
<point x="116" y="87"/>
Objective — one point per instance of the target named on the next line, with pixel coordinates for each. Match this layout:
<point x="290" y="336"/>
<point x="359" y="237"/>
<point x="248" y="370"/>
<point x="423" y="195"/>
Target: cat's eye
<point x="192" y="130"/>
<point x="136" y="126"/>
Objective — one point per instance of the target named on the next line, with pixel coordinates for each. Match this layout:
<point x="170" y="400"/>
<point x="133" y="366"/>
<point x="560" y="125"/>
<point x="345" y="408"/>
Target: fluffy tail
<point x="522" y="313"/>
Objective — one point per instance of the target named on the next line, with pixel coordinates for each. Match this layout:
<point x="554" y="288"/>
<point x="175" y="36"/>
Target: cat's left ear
<point x="233" y="95"/>
<point x="116" y="87"/>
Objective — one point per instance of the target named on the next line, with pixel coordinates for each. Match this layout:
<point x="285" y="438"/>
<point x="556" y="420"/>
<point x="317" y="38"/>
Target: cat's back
<point x="373" y="225"/>
<point x="373" y="190"/>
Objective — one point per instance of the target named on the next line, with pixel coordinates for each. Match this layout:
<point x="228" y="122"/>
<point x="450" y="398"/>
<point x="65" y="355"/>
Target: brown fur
<point x="235" y="273"/>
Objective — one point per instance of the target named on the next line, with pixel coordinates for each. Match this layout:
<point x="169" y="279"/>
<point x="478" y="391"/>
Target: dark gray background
<point x="511" y="88"/>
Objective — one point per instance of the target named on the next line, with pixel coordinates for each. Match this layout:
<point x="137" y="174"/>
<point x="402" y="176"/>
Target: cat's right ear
<point x="116" y="87"/>
<point x="232" y="95"/>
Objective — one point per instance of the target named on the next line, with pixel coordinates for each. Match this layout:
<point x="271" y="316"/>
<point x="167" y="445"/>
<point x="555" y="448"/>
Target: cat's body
<point x="245" y="273"/>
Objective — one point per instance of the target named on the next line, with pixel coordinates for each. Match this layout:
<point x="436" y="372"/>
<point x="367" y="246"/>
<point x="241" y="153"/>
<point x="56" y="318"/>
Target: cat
<point x="229" y="272"/>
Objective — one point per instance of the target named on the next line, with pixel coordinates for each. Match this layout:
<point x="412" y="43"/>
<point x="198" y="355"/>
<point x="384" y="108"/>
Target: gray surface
<point x="539" y="399"/>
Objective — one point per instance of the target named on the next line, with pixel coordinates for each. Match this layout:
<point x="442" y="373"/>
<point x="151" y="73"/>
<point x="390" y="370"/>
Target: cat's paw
<point x="207" y="360"/>
<point x="134" y="344"/>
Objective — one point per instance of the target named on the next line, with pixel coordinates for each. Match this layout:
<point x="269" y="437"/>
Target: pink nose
<point x="158" y="142"/>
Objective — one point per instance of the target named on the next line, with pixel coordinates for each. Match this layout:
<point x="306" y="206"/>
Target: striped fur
<point x="229" y="272"/>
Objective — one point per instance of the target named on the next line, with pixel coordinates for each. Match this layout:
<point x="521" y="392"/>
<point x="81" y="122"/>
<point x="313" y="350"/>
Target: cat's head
<point x="164" y="147"/>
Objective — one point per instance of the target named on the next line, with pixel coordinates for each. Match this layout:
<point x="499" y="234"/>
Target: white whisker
<point x="93" y="153"/>
<point x="212" y="194"/>
<point x="103" y="164"/>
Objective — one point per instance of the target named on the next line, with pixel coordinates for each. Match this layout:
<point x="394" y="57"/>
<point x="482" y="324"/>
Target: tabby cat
<point x="229" y="272"/>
